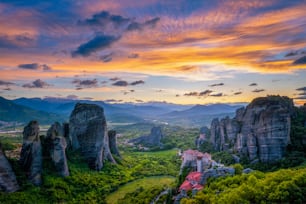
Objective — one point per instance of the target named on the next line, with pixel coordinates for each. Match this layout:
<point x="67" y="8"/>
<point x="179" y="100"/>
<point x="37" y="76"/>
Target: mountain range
<point x="48" y="110"/>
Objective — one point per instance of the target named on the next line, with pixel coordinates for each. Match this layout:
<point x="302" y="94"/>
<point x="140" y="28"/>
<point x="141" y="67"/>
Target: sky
<point x="178" y="51"/>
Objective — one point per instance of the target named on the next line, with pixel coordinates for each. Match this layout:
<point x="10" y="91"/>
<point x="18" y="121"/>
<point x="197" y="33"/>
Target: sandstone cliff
<point x="261" y="131"/>
<point x="88" y="132"/>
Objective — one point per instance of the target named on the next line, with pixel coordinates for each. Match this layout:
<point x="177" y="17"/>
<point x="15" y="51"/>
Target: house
<point x="192" y="182"/>
<point x="196" y="159"/>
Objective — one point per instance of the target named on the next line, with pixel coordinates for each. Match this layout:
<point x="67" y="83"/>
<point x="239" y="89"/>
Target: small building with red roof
<point x="192" y="182"/>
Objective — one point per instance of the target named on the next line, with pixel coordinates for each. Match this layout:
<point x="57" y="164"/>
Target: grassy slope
<point x="145" y="183"/>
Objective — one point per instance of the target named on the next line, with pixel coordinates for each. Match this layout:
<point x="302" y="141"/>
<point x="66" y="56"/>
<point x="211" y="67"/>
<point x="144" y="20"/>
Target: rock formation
<point x="8" y="182"/>
<point x="56" y="146"/>
<point x="88" y="132"/>
<point x="203" y="137"/>
<point x="113" y="143"/>
<point x="153" y="139"/>
<point x="261" y="131"/>
<point x="215" y="173"/>
<point x="31" y="153"/>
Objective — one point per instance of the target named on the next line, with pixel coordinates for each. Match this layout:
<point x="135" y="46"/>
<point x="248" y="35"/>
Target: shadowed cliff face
<point x="8" y="182"/>
<point x="56" y="146"/>
<point x="31" y="153"/>
<point x="260" y="131"/>
<point x="88" y="132"/>
<point x="153" y="139"/>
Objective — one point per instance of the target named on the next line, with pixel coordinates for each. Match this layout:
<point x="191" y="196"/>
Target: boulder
<point x="88" y="132"/>
<point x="56" y="146"/>
<point x="113" y="143"/>
<point x="8" y="182"/>
<point x="31" y="153"/>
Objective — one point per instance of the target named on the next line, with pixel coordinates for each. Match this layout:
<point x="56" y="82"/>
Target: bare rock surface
<point x="88" y="132"/>
<point x="56" y="146"/>
<point x="31" y="153"/>
<point x="261" y="131"/>
<point x="8" y="182"/>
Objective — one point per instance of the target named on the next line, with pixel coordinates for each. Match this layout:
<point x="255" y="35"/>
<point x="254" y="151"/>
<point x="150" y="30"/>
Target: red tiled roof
<point x="186" y="185"/>
<point x="194" y="176"/>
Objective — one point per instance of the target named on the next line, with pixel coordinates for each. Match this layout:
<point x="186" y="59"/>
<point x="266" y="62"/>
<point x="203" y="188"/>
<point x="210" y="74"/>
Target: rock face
<point x="56" y="146"/>
<point x="259" y="131"/>
<point x="203" y="137"/>
<point x="88" y="132"/>
<point x="153" y="139"/>
<point x="31" y="153"/>
<point x="8" y="182"/>
<point x="216" y="172"/>
<point x="113" y="143"/>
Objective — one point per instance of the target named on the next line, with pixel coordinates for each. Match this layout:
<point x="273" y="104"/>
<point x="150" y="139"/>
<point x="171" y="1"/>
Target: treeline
<point x="282" y="186"/>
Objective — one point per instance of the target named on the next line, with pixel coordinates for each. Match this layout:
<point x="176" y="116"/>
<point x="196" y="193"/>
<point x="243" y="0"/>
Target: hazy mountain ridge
<point x="160" y="112"/>
<point x="9" y="111"/>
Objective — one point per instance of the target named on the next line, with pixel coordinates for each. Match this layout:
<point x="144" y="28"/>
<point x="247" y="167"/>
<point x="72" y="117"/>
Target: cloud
<point x="38" y="83"/>
<point x="6" y="83"/>
<point x="301" y="89"/>
<point x="104" y="18"/>
<point x="73" y="97"/>
<point x="15" y="41"/>
<point x="216" y="95"/>
<point x="258" y="90"/>
<point x="35" y="66"/>
<point x="139" y="26"/>
<point x="192" y="94"/>
<point x="299" y="61"/>
<point x="133" y="55"/>
<point x="291" y="54"/>
<point x="137" y="82"/>
<point x="107" y="58"/>
<point x="112" y="101"/>
<point x="220" y="84"/>
<point x="177" y="95"/>
<point x="98" y="43"/>
<point x="114" y="79"/>
<point x="238" y="93"/>
<point x="120" y="83"/>
<point x="203" y="93"/>
<point x="139" y="101"/>
<point x="7" y="89"/>
<point x="87" y="83"/>
<point x="253" y="84"/>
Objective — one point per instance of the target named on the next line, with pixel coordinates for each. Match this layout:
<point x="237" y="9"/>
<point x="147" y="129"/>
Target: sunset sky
<point x="179" y="51"/>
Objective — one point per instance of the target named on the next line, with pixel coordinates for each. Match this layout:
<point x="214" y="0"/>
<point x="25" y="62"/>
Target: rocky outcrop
<point x="261" y="131"/>
<point x="56" y="146"/>
<point x="153" y="139"/>
<point x="203" y="137"/>
<point x="8" y="182"/>
<point x="113" y="143"/>
<point x="31" y="153"/>
<point x="215" y="173"/>
<point x="88" y="132"/>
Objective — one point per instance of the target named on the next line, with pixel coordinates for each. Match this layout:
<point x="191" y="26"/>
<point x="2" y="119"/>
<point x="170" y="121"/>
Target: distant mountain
<point x="200" y="115"/>
<point x="212" y="109"/>
<point x="157" y="112"/>
<point x="9" y="112"/>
